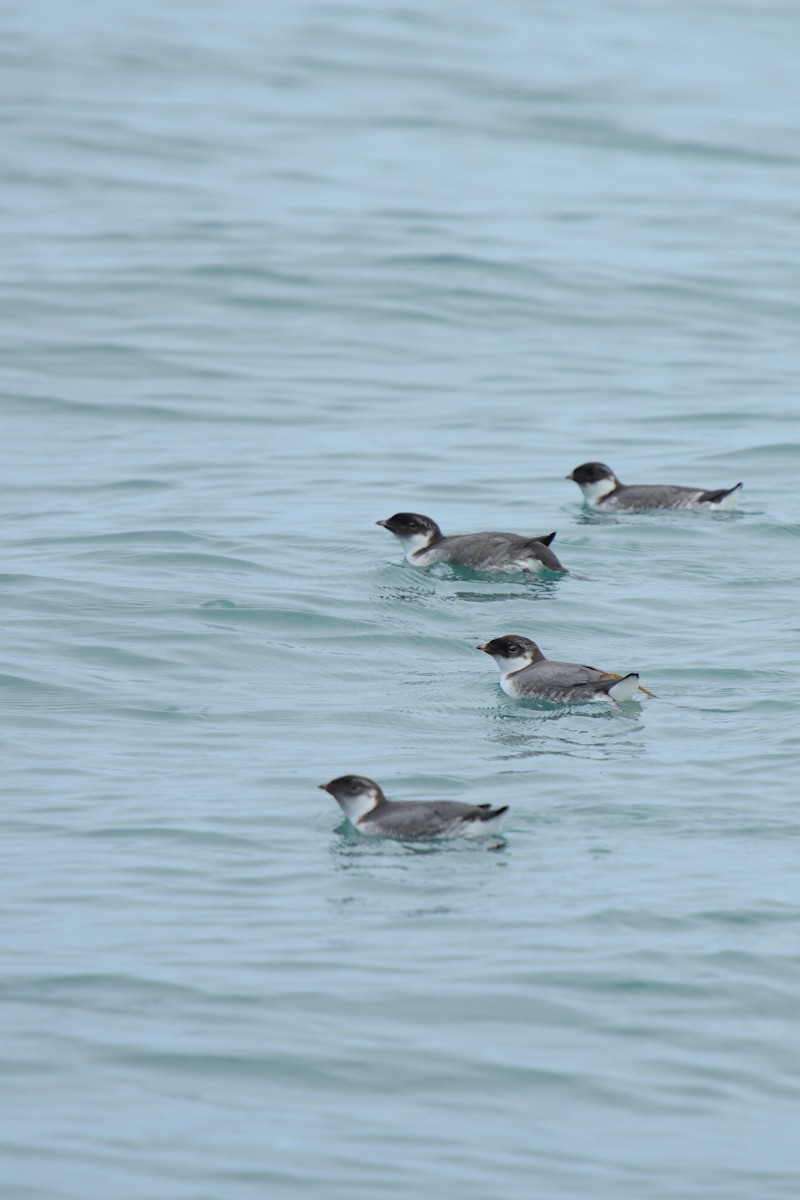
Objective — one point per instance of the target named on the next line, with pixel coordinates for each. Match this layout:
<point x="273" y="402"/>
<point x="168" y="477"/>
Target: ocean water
<point x="271" y="273"/>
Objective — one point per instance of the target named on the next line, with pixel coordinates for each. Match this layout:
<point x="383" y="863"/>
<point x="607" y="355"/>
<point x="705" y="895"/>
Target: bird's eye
<point x="414" y="525"/>
<point x="513" y="648"/>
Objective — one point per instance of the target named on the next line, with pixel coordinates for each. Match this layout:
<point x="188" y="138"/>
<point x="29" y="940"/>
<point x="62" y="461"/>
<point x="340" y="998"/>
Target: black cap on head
<point x="511" y="645"/>
<point x="591" y="472"/>
<point x="405" y="524"/>
<point x="350" y="785"/>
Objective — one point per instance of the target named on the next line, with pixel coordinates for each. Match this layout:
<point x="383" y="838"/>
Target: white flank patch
<point x="484" y="828"/>
<point x="626" y="689"/>
<point x="529" y="564"/>
<point x="728" y="503"/>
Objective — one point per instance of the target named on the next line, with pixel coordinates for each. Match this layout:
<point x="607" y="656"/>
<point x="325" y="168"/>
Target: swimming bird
<point x="424" y="544"/>
<point x="602" y="490"/>
<point x="368" y="811"/>
<point x="525" y="674"/>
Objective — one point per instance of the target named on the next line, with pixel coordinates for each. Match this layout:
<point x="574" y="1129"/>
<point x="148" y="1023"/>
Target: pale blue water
<point x="274" y="272"/>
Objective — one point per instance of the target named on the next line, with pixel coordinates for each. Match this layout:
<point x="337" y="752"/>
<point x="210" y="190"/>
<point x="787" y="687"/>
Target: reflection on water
<point x="448" y="572"/>
<point x="660" y="516"/>
<point x="589" y="516"/>
<point x="353" y="851"/>
<point x="491" y="592"/>
<point x="404" y="595"/>
<point x="594" y="731"/>
<point x="533" y="589"/>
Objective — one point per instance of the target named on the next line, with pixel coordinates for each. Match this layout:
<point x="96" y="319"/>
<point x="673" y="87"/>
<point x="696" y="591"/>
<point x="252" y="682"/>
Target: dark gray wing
<point x="560" y="692"/>
<point x="480" y="551"/>
<point x="643" y="496"/>
<point x="560" y="681"/>
<point x="586" y="691"/>
<point x="548" y="673"/>
<point x="423" y="819"/>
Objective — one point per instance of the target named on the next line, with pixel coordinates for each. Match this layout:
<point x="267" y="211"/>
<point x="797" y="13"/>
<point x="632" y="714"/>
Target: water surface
<point x="272" y="274"/>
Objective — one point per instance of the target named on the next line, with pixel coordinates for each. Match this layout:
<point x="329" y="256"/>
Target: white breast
<point x="508" y="680"/>
<point x="594" y="492"/>
<point x="356" y="807"/>
<point x="411" y="545"/>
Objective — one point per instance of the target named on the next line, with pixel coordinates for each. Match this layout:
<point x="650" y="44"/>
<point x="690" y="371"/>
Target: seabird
<point x="424" y="544"/>
<point x="525" y="674"/>
<point x="368" y="811"/>
<point x="602" y="490"/>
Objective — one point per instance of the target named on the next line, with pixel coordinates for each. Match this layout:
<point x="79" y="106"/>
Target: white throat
<point x="356" y="807"/>
<point x="417" y="541"/>
<point x="509" y="665"/>
<point x="593" y="492"/>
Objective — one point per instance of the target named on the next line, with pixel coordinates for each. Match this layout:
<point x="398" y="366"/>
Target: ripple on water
<point x="276" y="272"/>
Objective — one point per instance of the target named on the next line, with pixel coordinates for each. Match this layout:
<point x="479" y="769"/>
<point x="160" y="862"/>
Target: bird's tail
<point x="626" y="688"/>
<point x="724" y="498"/>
